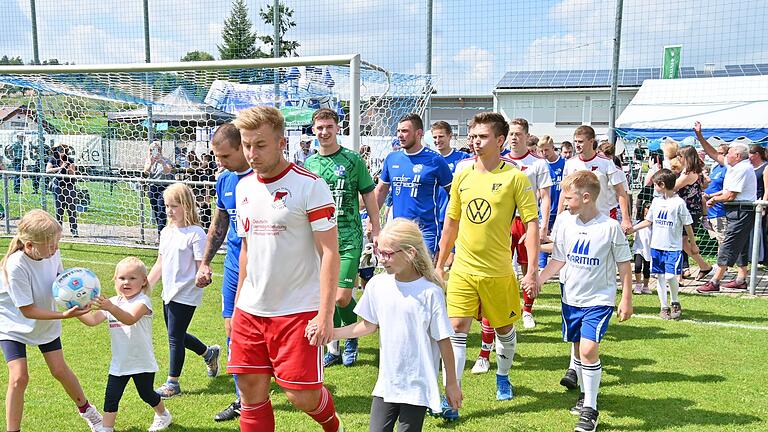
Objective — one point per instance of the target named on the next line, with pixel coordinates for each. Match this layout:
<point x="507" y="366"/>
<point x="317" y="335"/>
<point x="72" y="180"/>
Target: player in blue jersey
<point x="226" y="148"/>
<point x="414" y="174"/>
<point x="442" y="133"/>
<point x="556" y="164"/>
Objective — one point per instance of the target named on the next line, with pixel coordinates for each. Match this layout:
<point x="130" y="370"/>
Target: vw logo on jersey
<point x="340" y="171"/>
<point x="478" y="211"/>
<point x="417" y="168"/>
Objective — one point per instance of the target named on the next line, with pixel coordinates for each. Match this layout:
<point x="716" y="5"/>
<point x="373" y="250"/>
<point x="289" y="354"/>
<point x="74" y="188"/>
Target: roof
<point x="728" y="108"/>
<point x="7" y="111"/>
<point x="579" y="78"/>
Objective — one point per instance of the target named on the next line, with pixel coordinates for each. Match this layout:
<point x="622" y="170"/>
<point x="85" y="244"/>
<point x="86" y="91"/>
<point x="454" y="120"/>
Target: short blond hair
<point x="139" y="264"/>
<point x="582" y="181"/>
<point x="256" y="117"/>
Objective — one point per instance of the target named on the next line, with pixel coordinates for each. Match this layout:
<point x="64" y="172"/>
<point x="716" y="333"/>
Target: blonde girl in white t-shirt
<point x="28" y="315"/>
<point x="129" y="315"/>
<point x="182" y="244"/>
<point x="407" y="305"/>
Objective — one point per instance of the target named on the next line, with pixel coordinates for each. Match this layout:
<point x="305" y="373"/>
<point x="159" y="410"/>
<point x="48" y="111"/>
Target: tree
<point x="11" y="61"/>
<point x="197" y="56"/>
<point x="288" y="48"/>
<point x="238" y="35"/>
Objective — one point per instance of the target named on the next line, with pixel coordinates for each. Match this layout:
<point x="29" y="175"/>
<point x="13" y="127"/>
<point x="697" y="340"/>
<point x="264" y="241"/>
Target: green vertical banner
<point x="671" y="69"/>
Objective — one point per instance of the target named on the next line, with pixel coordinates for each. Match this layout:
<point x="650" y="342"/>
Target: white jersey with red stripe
<point x="607" y="173"/>
<point x="535" y="168"/>
<point x="277" y="217"/>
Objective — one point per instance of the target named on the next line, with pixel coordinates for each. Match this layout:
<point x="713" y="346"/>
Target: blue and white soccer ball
<point x="76" y="287"/>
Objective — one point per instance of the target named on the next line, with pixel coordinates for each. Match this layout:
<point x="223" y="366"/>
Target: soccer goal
<point x="107" y="121"/>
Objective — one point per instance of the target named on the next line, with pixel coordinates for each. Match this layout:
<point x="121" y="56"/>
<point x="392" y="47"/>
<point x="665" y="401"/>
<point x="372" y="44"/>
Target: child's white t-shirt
<point x="29" y="282"/>
<point x="132" y="351"/>
<point x="642" y="243"/>
<point x="590" y="252"/>
<point x="180" y="248"/>
<point x="668" y="216"/>
<point x="412" y="317"/>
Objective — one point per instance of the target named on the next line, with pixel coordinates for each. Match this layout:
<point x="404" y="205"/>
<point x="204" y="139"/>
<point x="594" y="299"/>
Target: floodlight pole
<point x="615" y="71"/>
<point x="35" y="49"/>
<point x="276" y="47"/>
<point x="428" y="109"/>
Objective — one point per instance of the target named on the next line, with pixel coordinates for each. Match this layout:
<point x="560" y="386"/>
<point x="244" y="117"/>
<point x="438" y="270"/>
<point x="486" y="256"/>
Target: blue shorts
<point x="589" y="322"/>
<point x="228" y="292"/>
<point x="432" y="240"/>
<point x="13" y="350"/>
<point x="669" y="262"/>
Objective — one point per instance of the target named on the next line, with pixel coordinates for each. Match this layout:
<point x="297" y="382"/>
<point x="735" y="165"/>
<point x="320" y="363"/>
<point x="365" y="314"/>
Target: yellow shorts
<point x="495" y="298"/>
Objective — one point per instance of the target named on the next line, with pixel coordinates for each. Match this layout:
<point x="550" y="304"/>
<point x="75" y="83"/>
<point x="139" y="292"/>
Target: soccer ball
<point x="76" y="287"/>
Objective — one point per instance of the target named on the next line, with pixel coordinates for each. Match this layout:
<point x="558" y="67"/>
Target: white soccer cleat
<point x="161" y="422"/>
<point x="482" y="365"/>
<point x="528" y="321"/>
<point x="93" y="418"/>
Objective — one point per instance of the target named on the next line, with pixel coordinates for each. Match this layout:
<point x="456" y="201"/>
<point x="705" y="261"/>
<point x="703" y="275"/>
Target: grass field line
<point x="706" y="323"/>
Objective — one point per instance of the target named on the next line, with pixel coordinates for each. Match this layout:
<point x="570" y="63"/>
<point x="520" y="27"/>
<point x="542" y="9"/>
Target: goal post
<point x="109" y="118"/>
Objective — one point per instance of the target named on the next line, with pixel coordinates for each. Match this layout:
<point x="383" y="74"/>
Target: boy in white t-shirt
<point x="593" y="246"/>
<point x="668" y="215"/>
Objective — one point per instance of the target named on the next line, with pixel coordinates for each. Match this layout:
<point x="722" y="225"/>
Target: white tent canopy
<point x="733" y="108"/>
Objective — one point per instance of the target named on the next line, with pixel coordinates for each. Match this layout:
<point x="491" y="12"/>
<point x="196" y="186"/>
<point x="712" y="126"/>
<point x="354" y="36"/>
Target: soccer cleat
<point x="448" y="413"/>
<point x="638" y="288"/>
<point x="587" y="420"/>
<point x="169" y="389"/>
<point x="665" y="313"/>
<point x="528" y="321"/>
<point x="211" y="358"/>
<point x="675" y="311"/>
<point x="576" y="410"/>
<point x="161" y="422"/>
<point x="349" y="356"/>
<point x="570" y="380"/>
<point x="92" y="417"/>
<point x="736" y="285"/>
<point x="503" y="388"/>
<point x="708" y="287"/>
<point x="229" y="413"/>
<point x="331" y="359"/>
<point x="482" y="365"/>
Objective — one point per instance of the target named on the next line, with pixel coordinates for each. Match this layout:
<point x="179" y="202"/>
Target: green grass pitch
<point x="706" y="373"/>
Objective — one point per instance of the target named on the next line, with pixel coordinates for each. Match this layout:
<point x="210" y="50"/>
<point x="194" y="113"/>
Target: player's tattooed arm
<point x="216" y="235"/>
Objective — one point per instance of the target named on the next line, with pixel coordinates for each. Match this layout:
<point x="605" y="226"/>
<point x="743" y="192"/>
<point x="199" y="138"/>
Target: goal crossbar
<point x="351" y="60"/>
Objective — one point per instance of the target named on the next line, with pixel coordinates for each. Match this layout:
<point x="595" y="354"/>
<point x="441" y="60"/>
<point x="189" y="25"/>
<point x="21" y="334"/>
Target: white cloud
<point x="476" y="63"/>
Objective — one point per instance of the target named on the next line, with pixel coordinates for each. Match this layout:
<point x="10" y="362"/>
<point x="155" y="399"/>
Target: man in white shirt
<point x="738" y="194"/>
<point x="289" y="267"/>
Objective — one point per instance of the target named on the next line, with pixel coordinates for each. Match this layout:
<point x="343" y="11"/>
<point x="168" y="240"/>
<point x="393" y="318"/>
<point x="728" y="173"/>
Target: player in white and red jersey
<point x="289" y="266"/>
<point x="535" y="167"/>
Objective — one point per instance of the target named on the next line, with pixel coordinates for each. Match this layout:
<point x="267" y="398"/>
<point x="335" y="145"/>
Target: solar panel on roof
<point x="626" y="77"/>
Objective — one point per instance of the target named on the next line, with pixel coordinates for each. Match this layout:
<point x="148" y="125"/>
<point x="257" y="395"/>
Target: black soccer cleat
<point x="570" y="380"/>
<point x="587" y="420"/>
<point x="230" y="413"/>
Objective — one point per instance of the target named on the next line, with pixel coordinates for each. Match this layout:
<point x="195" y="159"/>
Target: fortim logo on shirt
<point x="580" y="254"/>
<point x="662" y="219"/>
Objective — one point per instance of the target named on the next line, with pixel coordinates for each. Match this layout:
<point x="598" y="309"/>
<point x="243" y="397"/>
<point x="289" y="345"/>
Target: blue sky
<point x="474" y="42"/>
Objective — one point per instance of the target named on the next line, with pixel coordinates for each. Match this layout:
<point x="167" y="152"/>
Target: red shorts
<point x="276" y="346"/>
<point x="518" y="231"/>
